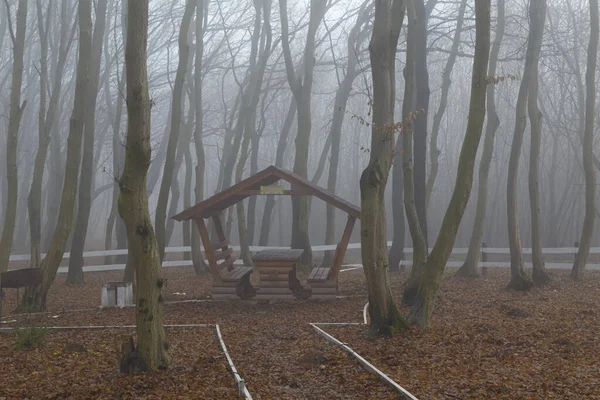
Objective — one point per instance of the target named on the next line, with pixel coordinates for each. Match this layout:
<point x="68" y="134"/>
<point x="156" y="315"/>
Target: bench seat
<point x="236" y="274"/>
<point x="319" y="274"/>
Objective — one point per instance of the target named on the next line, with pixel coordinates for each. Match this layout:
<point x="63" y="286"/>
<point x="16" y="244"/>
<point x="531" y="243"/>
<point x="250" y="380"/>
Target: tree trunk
<point x="133" y="199"/>
<point x="187" y="201"/>
<point x="36" y="297"/>
<point x="115" y="222"/>
<point x="265" y="227"/>
<point x="470" y="267"/>
<point x="385" y="316"/>
<point x="422" y="310"/>
<point x="75" y="272"/>
<point x="519" y="278"/>
<point x="418" y="163"/>
<point x="262" y="10"/>
<point x="420" y="125"/>
<point x="184" y="145"/>
<point x="167" y="178"/>
<point x="197" y="258"/>
<point x="339" y="112"/>
<point x="540" y="276"/>
<point x="34" y="199"/>
<point x="434" y="152"/>
<point x="241" y="214"/>
<point x="12" y="138"/>
<point x="55" y="178"/>
<point x="588" y="139"/>
<point x="414" y="225"/>
<point x="301" y="89"/>
<point x="396" y="254"/>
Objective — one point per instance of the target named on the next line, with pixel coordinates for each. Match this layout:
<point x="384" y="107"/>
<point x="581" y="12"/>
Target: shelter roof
<point x="251" y="185"/>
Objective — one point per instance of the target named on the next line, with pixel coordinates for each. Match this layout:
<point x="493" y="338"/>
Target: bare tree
<point x="265" y="227"/>
<point x="428" y="288"/>
<point x="301" y="89"/>
<point x="356" y="37"/>
<point x="133" y="199"/>
<point x="384" y="314"/>
<point x="470" y="267"/>
<point x="420" y="124"/>
<point x="167" y="178"/>
<point x="200" y="26"/>
<point x="588" y="139"/>
<point x="434" y="152"/>
<point x="261" y="42"/>
<point x="414" y="225"/>
<point x="539" y="276"/>
<point x="519" y="278"/>
<point x="75" y="272"/>
<point x="49" y="266"/>
<point x="12" y="138"/>
<point x="115" y="224"/>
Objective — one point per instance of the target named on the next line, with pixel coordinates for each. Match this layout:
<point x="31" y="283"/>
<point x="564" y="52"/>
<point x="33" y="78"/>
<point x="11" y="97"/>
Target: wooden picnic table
<point x="277" y="273"/>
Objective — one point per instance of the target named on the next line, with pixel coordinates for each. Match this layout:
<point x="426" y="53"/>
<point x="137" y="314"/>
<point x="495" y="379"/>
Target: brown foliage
<point x="485" y="343"/>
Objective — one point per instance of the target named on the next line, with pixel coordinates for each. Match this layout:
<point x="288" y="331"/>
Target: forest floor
<point x="485" y="343"/>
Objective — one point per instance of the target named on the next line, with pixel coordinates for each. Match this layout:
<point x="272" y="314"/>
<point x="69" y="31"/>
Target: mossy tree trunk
<point x="75" y="272"/>
<point x="384" y="314"/>
<point x="133" y="199"/>
<point x="12" y="138"/>
<point x="36" y="297"/>
<point x="470" y="267"/>
<point x="422" y="309"/>
<point x="588" y="141"/>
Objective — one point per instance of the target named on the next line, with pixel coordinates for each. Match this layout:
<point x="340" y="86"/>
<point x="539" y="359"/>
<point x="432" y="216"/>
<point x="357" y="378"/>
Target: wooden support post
<point x="208" y="250"/>
<point x="222" y="238"/>
<point x="483" y="259"/>
<point x="219" y="229"/>
<point x="340" y="251"/>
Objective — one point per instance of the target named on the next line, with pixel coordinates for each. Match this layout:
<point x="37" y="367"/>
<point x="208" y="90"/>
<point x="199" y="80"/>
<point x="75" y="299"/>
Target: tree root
<point x="467" y="271"/>
<point x="520" y="283"/>
<point x="540" y="277"/>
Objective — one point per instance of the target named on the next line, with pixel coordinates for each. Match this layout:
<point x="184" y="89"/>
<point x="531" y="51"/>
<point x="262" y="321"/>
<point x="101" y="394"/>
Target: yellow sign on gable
<point x="271" y="190"/>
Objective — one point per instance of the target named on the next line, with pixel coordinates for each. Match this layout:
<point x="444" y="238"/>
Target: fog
<point x="229" y="65"/>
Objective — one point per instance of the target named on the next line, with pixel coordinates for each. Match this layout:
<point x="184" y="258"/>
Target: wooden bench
<point x="233" y="280"/>
<point x="237" y="273"/>
<point x="19" y="278"/>
<point x="277" y="271"/>
<point x="322" y="287"/>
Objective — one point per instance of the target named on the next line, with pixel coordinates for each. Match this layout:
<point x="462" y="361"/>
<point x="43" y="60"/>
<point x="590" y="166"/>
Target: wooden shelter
<point x="230" y="280"/>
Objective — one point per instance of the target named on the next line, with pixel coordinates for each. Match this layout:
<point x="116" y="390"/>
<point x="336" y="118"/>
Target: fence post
<point x="483" y="259"/>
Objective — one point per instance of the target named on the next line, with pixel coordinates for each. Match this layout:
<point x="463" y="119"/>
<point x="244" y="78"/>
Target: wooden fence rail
<point x="486" y="251"/>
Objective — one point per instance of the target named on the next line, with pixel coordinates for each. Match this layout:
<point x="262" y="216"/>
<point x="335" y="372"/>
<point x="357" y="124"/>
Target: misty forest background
<point x="340" y="135"/>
